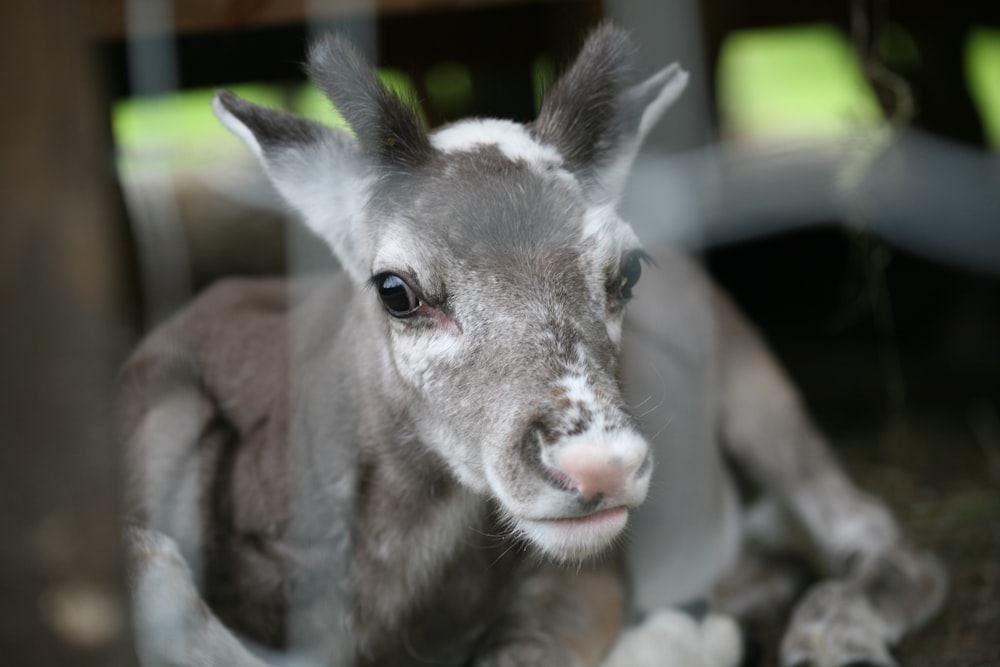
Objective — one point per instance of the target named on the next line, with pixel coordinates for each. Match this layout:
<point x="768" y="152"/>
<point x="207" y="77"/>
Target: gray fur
<point x="583" y="115"/>
<point x="348" y="487"/>
<point x="387" y="129"/>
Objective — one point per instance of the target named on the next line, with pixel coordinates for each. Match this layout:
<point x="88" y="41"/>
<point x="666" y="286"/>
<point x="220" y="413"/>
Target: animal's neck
<point x="414" y="517"/>
<point x="414" y="525"/>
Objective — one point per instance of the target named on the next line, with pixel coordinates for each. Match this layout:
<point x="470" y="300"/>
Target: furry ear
<point x="388" y="130"/>
<point x="595" y="120"/>
<point x="319" y="172"/>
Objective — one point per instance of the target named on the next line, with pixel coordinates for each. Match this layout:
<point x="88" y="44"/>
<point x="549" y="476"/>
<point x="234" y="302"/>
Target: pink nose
<point x="591" y="471"/>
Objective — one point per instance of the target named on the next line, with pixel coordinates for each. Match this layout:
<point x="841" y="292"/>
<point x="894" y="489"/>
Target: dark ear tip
<point x="609" y="37"/>
<point x="320" y="49"/>
<point x="227" y="100"/>
<point x="608" y="29"/>
<point x="332" y="52"/>
<point x="227" y="103"/>
<point x="225" y="96"/>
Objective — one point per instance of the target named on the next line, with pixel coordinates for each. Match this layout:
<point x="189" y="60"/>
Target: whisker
<point x="663" y="392"/>
<point x="663" y="428"/>
<point x="639" y="404"/>
<point x="513" y="543"/>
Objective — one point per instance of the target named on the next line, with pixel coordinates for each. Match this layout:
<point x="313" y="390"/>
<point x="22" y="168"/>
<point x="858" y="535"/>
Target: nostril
<point x="560" y="479"/>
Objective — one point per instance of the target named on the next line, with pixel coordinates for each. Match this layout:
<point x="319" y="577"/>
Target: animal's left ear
<point x="595" y="119"/>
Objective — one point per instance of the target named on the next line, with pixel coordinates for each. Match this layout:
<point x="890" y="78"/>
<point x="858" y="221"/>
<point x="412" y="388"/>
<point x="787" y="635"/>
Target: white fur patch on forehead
<point x="513" y="140"/>
<point x="603" y="224"/>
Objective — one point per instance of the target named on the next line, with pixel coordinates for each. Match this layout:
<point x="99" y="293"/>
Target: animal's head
<point x="500" y="271"/>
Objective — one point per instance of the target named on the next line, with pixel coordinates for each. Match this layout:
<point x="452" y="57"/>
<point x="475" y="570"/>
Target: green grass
<point x="309" y="101"/>
<point x="801" y="81"/>
<point x="983" y="77"/>
<point x="180" y="130"/>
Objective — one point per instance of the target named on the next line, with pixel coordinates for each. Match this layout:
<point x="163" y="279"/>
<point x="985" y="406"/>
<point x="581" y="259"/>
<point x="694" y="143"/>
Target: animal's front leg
<point x="570" y="617"/>
<point x="854" y="619"/>
<point x="882" y="586"/>
<point x="675" y="638"/>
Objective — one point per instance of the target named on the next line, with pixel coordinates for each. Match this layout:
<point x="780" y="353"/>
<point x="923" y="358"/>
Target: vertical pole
<point x="61" y="327"/>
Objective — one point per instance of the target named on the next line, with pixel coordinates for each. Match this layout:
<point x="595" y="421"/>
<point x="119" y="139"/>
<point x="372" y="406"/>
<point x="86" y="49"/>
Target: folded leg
<point x="173" y="625"/>
<point x="880" y="585"/>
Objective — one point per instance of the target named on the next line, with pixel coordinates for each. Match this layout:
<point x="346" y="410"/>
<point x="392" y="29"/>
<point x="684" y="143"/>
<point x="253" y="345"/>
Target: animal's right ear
<point x="319" y="171"/>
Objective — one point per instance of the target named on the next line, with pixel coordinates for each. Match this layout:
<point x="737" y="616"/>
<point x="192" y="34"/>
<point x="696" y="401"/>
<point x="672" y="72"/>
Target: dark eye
<point x="397" y="297"/>
<point x="631" y="271"/>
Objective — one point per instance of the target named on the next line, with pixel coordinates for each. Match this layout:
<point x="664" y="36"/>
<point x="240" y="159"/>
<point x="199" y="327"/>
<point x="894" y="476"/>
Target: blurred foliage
<point x="449" y="87"/>
<point x="180" y="130"/>
<point x="543" y="75"/>
<point x="802" y="81"/>
<point x="983" y="76"/>
<point x="897" y="48"/>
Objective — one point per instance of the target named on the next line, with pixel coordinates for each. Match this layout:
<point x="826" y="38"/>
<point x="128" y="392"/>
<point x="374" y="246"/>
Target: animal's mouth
<point x="611" y="515"/>
<point x="577" y="537"/>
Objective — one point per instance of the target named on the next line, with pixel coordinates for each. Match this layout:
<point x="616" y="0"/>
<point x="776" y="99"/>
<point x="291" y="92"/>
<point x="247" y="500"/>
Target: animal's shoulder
<point x="231" y="341"/>
<point x="225" y="319"/>
<point x="242" y="296"/>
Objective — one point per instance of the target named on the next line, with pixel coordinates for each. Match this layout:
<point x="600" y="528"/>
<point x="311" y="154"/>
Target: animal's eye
<point x="631" y="271"/>
<point x="397" y="297"/>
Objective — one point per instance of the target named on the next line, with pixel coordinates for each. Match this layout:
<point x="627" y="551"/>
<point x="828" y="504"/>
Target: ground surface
<point x="939" y="473"/>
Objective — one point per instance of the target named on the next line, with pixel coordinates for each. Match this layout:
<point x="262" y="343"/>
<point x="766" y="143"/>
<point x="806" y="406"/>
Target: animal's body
<point x="432" y="457"/>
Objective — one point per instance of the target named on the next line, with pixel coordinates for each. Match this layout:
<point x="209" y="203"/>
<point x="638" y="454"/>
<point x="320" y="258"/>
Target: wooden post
<point x="61" y="332"/>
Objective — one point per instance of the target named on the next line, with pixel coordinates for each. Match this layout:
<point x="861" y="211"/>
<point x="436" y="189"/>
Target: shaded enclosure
<point x="869" y="258"/>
